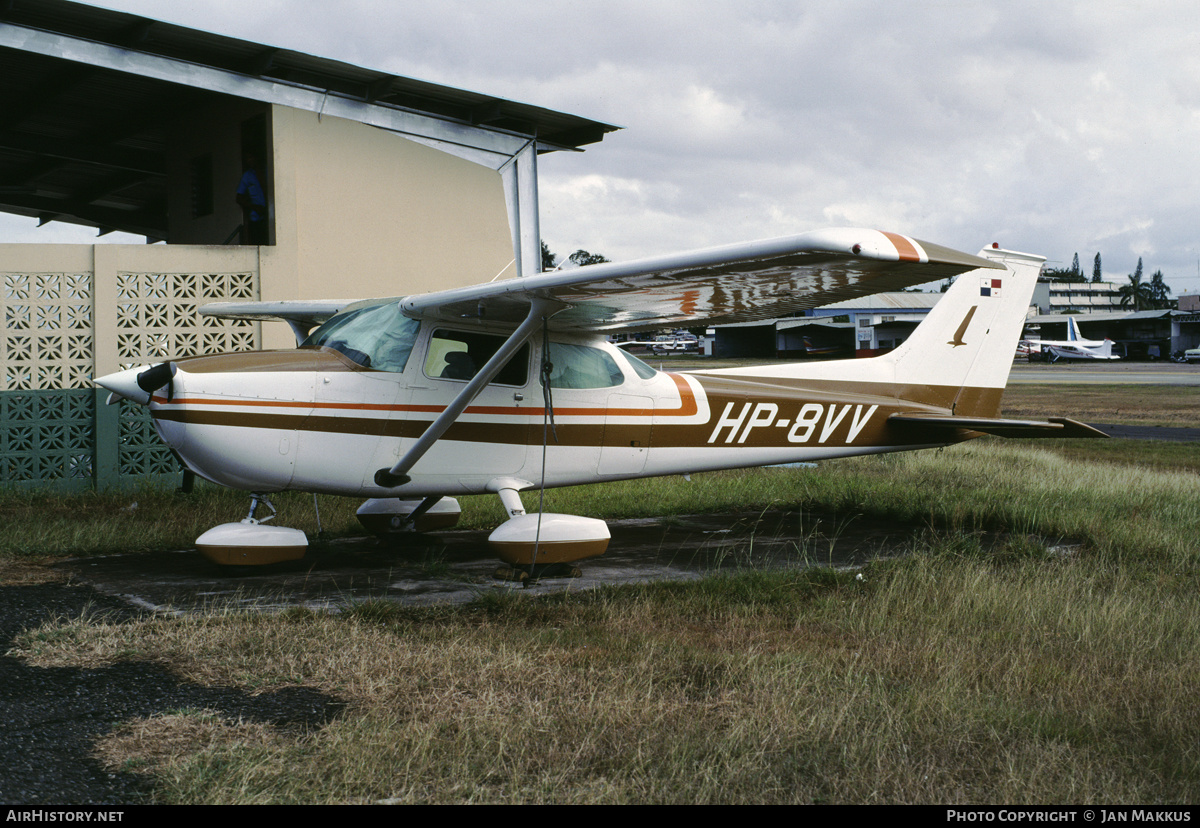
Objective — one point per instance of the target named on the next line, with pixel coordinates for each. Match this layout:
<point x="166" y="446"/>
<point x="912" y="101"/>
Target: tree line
<point x="579" y="257"/>
<point x="1137" y="293"/>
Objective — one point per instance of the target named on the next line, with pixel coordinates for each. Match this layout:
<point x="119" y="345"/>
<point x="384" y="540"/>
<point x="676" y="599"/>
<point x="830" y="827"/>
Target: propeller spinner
<point x="138" y="384"/>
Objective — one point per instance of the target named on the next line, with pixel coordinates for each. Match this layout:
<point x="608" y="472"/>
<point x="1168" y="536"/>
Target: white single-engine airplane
<point x="412" y="401"/>
<point x="1075" y="346"/>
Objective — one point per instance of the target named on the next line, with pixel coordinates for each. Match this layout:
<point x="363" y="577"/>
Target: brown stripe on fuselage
<point x="509" y="433"/>
<point x="904" y="247"/>
<point x="845" y="407"/>
<point x="770" y="414"/>
<point x="687" y="408"/>
<point x="840" y="414"/>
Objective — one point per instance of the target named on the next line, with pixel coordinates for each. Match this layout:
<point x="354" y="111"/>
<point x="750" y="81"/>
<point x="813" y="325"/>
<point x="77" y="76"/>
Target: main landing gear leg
<point x="257" y="500"/>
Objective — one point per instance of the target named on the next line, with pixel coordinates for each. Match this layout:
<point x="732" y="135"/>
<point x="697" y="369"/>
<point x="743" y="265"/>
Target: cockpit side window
<point x="377" y="336"/>
<point x="459" y="355"/>
<point x="579" y="366"/>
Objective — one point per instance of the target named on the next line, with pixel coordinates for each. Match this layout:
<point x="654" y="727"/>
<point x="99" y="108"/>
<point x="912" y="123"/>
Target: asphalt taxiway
<point x="1103" y="373"/>
<point x="457" y="566"/>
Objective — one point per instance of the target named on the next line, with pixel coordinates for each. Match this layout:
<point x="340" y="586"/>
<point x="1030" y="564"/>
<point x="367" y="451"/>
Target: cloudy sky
<point x="1050" y="127"/>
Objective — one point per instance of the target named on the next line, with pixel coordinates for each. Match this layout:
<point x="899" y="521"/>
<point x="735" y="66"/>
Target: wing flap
<point x="735" y="283"/>
<point x="1025" y="429"/>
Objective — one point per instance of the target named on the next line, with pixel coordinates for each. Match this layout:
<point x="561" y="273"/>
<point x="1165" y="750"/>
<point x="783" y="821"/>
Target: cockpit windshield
<point x="375" y="336"/>
<point x="640" y="368"/>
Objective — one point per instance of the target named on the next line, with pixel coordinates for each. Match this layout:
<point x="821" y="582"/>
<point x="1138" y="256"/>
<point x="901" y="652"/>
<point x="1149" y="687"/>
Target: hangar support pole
<point x="519" y="174"/>
<point x="531" y="232"/>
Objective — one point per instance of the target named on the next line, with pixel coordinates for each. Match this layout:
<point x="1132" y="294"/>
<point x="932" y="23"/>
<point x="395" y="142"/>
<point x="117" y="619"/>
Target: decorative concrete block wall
<point x="72" y="312"/>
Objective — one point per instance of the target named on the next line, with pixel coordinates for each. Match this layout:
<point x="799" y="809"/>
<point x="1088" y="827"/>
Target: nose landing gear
<point x="250" y="543"/>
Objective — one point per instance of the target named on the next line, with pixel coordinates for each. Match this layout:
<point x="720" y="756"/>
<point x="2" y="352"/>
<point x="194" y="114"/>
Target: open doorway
<point x="254" y="187"/>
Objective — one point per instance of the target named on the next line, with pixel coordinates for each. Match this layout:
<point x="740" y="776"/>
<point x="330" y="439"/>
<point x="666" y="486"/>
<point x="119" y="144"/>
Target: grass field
<point x="1156" y="405"/>
<point x="954" y="674"/>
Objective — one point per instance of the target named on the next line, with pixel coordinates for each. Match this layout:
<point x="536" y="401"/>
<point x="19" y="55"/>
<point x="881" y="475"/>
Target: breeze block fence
<point x="74" y="312"/>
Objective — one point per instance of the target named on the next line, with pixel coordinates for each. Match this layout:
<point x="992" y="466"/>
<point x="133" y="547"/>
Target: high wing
<point x="301" y="314"/>
<point x="734" y="283"/>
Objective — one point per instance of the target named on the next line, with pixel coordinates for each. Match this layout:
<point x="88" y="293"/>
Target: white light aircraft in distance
<point x="1075" y="346"/>
<point x="412" y="401"/>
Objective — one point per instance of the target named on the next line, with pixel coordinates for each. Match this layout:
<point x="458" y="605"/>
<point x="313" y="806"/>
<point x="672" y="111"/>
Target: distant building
<point x="881" y="322"/>
<point x="865" y="326"/>
<point x="1076" y="297"/>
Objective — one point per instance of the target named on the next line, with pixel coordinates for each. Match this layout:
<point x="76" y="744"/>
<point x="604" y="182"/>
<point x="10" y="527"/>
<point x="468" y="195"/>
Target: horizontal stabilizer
<point x="1025" y="429"/>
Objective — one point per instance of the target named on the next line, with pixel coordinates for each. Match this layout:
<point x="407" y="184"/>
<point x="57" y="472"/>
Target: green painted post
<point x="106" y="430"/>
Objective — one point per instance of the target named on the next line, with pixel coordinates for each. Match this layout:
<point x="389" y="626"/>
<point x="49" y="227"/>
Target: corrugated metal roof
<point x="1114" y="316"/>
<point x="812" y="321"/>
<point x="84" y="140"/>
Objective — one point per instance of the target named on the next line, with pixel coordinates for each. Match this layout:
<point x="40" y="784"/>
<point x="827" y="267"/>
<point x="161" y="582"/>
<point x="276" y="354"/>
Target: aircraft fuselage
<point x="313" y="419"/>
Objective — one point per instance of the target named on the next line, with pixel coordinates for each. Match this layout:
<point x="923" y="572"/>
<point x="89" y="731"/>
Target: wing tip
<point x="940" y="254"/>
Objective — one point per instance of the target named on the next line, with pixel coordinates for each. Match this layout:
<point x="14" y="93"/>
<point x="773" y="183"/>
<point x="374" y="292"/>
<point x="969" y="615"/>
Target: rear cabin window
<point x="578" y="366"/>
<point x="377" y="336"/>
<point x="458" y="355"/>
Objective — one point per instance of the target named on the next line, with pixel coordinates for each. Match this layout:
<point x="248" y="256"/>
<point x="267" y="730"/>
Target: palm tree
<point x="1137" y="292"/>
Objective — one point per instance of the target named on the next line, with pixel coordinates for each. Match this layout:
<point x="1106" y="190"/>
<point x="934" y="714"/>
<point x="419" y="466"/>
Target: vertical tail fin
<point x="1073" y="334"/>
<point x="968" y="339"/>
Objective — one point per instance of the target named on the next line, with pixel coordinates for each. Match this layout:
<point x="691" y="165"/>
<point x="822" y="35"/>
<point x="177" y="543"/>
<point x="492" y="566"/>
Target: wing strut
<point x="397" y="475"/>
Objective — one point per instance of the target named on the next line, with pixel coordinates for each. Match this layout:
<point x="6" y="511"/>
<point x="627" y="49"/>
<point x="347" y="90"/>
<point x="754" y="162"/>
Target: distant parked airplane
<point x="1075" y="346"/>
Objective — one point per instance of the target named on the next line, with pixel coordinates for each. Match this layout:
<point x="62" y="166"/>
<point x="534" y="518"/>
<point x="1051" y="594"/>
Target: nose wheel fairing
<point x="243" y="544"/>
<point x="388" y="516"/>
<point x="250" y="543"/>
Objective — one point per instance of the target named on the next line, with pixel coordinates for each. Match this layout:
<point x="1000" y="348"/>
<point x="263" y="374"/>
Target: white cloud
<point x="1059" y="127"/>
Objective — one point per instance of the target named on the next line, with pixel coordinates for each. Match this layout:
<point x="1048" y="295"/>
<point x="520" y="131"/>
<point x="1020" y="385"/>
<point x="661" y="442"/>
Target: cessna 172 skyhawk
<point x="412" y="401"/>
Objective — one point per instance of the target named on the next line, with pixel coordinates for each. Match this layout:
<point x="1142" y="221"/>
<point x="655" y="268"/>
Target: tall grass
<point x="38" y="524"/>
<point x="948" y="676"/>
<point x="959" y="673"/>
<point x="1124" y="510"/>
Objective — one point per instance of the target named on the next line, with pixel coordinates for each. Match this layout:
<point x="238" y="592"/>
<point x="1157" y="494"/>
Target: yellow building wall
<point x="361" y="212"/>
